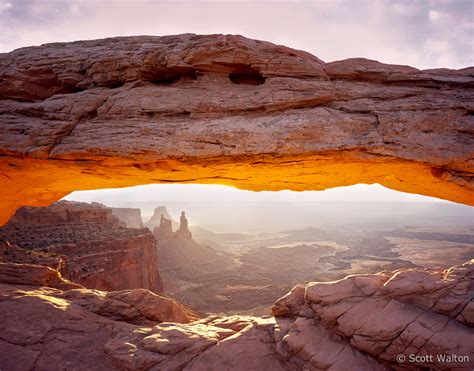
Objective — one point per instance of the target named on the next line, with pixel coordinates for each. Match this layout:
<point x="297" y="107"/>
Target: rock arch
<point x="226" y="109"/>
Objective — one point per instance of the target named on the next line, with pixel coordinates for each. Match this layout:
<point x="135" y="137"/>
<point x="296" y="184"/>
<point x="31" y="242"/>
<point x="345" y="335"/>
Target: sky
<point x="218" y="193"/>
<point x="421" y="33"/>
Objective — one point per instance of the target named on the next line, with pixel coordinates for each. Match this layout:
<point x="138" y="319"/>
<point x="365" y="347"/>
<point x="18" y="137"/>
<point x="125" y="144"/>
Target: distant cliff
<point x="100" y="251"/>
<point x="131" y="217"/>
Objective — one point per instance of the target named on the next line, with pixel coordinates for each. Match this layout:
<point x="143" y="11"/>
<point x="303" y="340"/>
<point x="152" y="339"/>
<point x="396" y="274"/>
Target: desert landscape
<point x="218" y="273"/>
<point x="247" y="292"/>
<point x="201" y="200"/>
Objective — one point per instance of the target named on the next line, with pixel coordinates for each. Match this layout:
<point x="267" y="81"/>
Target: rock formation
<point x="367" y="318"/>
<point x="155" y="220"/>
<point x="235" y="111"/>
<point x="230" y="110"/>
<point x="95" y="248"/>
<point x="131" y="217"/>
<point x="183" y="231"/>
<point x="182" y="261"/>
<point x="164" y="230"/>
<point x="34" y="275"/>
<point x="362" y="322"/>
<point x="11" y="253"/>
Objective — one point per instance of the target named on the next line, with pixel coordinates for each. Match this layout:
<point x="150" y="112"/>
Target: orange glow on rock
<point x="35" y="182"/>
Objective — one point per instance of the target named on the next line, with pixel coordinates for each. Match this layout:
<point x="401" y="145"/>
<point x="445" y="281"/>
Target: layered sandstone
<point x="134" y="330"/>
<point x="230" y="110"/>
<point x="11" y="253"/>
<point x="97" y="249"/>
<point x="34" y="275"/>
<point x="362" y="322"/>
<point x="364" y="318"/>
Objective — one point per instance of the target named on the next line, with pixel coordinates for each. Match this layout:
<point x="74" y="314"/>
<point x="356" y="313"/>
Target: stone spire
<point x="164" y="230"/>
<point x="183" y="230"/>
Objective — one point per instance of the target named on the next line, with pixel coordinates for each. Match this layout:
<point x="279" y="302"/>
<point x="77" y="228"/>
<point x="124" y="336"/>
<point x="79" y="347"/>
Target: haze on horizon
<point x="221" y="193"/>
<point x="226" y="209"/>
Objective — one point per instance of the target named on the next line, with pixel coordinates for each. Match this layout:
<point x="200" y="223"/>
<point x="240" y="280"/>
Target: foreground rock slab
<point x="226" y="109"/>
<point x="403" y="320"/>
<point x="363" y="322"/>
<point x="43" y="328"/>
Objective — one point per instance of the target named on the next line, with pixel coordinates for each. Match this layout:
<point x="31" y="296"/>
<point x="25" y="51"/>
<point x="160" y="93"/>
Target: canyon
<point x="80" y="288"/>
<point x="95" y="248"/>
<point x="244" y="273"/>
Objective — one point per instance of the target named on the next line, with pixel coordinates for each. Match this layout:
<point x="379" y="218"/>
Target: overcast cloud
<point x="424" y="34"/>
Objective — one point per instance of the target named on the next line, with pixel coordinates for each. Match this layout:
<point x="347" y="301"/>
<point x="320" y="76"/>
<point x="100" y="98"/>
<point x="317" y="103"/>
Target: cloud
<point x="425" y="34"/>
<point x="5" y="5"/>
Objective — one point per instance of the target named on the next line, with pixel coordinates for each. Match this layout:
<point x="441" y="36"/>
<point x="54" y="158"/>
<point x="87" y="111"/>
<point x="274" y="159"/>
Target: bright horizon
<point x="219" y="193"/>
<point x="226" y="209"/>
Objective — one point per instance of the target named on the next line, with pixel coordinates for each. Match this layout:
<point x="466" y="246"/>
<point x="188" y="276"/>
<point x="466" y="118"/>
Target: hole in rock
<point x="241" y="73"/>
<point x="168" y="80"/>
<point x="247" y="78"/>
<point x="233" y="251"/>
<point x="116" y="84"/>
<point x="171" y="76"/>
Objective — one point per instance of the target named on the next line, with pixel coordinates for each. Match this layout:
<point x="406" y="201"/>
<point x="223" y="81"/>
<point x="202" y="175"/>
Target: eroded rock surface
<point x="226" y="109"/>
<point x="34" y="275"/>
<point x="44" y="327"/>
<point x="362" y="322"/>
<point x="367" y="318"/>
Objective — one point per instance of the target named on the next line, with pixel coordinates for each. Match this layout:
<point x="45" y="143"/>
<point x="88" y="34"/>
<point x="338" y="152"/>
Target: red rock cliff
<point x="100" y="252"/>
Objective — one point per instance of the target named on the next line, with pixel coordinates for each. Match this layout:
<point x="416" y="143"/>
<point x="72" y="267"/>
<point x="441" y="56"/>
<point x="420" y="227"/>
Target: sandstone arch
<point x="226" y="109"/>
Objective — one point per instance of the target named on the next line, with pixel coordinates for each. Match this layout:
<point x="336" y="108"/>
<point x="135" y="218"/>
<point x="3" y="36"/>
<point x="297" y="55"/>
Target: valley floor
<point x="259" y="270"/>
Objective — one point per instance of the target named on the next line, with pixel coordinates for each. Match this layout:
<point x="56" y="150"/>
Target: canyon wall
<point x="228" y="110"/>
<point x="97" y="249"/>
